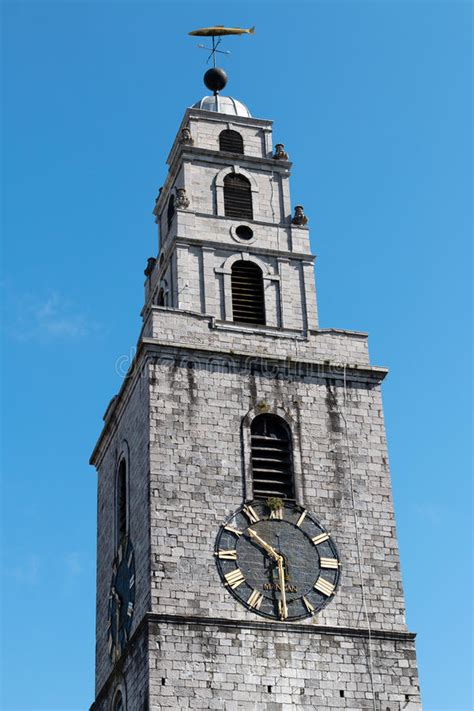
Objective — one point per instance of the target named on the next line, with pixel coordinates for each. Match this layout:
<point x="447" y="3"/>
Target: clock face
<point x="277" y="560"/>
<point x="121" y="599"/>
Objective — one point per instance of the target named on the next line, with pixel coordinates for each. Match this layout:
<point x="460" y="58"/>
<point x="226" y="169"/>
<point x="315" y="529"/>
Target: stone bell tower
<point x="246" y="550"/>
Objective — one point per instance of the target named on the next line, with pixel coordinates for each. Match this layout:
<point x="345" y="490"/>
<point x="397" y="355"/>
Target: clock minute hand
<point x="266" y="546"/>
<point x="282" y="581"/>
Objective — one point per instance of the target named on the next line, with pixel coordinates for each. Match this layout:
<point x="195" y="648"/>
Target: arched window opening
<point x="231" y="142"/>
<point x="122" y="501"/>
<point x="272" y="459"/>
<point x="171" y="210"/>
<point x="118" y="702"/>
<point x="160" y="301"/>
<point x="237" y="197"/>
<point x="248" y="301"/>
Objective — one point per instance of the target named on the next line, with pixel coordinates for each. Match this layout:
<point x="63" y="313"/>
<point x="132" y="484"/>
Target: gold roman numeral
<point x="308" y="605"/>
<point x="277" y="513"/>
<point x="255" y="600"/>
<point x="234" y="578"/>
<point x="231" y="529"/>
<point x="227" y="555"/>
<point x="329" y="563"/>
<point x="320" y="539"/>
<point x="301" y="518"/>
<point x="251" y="514"/>
<point x="324" y="586"/>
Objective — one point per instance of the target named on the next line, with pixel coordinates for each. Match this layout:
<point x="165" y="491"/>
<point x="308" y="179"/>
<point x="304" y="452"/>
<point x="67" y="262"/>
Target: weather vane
<point x="219" y="31"/>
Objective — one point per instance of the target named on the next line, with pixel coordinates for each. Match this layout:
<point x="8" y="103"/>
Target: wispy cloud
<point x="429" y="512"/>
<point x="74" y="565"/>
<point x="48" y="317"/>
<point x="25" y="571"/>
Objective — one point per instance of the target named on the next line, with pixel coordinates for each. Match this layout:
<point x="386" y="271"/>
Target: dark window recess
<point x="161" y="298"/>
<point x="231" y="142"/>
<point x="122" y="501"/>
<point x="244" y="232"/>
<point x="170" y="210"/>
<point x="248" y="303"/>
<point x="272" y="465"/>
<point x="118" y="703"/>
<point x="237" y="197"/>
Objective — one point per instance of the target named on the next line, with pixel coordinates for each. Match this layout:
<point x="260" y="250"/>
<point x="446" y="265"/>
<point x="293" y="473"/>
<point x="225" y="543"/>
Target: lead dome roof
<point x="222" y="105"/>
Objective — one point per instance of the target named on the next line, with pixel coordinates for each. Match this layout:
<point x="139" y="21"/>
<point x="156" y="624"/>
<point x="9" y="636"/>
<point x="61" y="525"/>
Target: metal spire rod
<point x="214" y="49"/>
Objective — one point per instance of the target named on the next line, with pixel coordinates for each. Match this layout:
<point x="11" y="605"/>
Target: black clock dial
<point x="277" y="560"/>
<point x="121" y="599"/>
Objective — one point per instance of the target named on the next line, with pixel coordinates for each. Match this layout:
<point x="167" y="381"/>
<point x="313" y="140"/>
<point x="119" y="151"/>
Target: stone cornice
<point x="283" y="627"/>
<point x="323" y="369"/>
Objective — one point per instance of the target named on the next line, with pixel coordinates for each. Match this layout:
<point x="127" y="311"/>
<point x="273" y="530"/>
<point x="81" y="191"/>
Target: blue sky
<point x="373" y="102"/>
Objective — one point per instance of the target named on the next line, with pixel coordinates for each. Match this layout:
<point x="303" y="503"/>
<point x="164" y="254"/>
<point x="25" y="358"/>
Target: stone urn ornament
<point x="280" y="153"/>
<point x="299" y="218"/>
<point x="181" y="201"/>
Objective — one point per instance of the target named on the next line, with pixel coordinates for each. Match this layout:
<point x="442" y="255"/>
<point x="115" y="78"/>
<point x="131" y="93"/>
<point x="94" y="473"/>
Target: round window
<point x="244" y="232"/>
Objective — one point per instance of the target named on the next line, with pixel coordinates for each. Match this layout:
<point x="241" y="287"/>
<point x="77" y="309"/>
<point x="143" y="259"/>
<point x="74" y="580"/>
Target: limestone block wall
<point x="203" y="284"/>
<point x="198" y="478"/>
<point x="271" y="669"/>
<point x="131" y="675"/>
<point x="205" y="132"/>
<point x="223" y="340"/>
<point x="202" y="180"/>
<point x="219" y="230"/>
<point x="130" y="433"/>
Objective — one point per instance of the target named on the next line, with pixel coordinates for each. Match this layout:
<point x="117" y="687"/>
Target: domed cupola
<point x="215" y="79"/>
<point x="222" y="105"/>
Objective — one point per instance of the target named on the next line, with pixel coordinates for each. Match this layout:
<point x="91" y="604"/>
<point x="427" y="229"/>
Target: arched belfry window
<point x="231" y="142"/>
<point x="171" y="210"/>
<point x="272" y="458"/>
<point x="248" y="301"/>
<point x="122" y="500"/>
<point x="237" y="197"/>
<point x="118" y="702"/>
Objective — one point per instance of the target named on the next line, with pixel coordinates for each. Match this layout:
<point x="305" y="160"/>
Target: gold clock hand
<point x="118" y="605"/>
<point x="263" y="544"/>
<point x="282" y="581"/>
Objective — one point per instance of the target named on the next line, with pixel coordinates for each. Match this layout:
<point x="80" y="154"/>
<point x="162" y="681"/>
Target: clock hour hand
<point x="263" y="544"/>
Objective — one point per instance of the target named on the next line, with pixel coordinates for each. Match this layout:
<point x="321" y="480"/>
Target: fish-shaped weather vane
<point x="219" y="31"/>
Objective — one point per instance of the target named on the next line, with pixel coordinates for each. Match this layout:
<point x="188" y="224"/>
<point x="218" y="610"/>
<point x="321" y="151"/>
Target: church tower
<point x="246" y="550"/>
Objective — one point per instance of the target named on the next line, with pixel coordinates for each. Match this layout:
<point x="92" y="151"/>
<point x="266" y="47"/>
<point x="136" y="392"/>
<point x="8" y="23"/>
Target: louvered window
<point x="248" y="303"/>
<point x="231" y="142"/>
<point x="122" y="501"/>
<point x="237" y="197"/>
<point x="272" y="465"/>
<point x="170" y="210"/>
